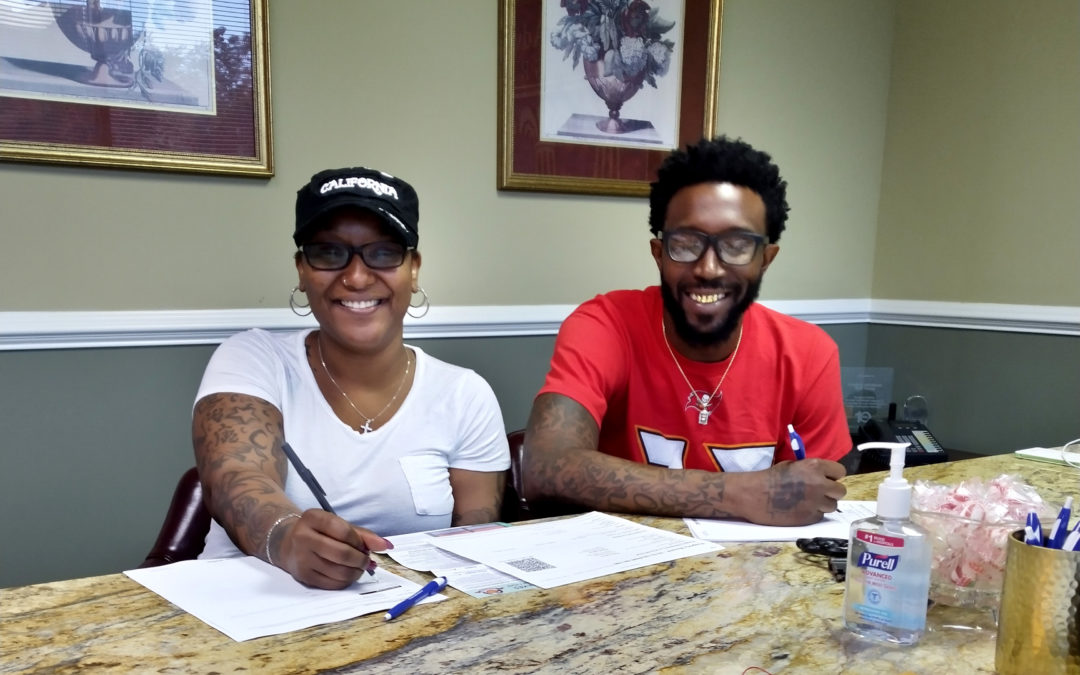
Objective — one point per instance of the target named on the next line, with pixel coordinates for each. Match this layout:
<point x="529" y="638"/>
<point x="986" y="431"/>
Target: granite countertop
<point x="763" y="604"/>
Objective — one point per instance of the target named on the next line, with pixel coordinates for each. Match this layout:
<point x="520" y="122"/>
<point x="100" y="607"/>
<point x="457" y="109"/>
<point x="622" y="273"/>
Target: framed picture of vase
<point x="594" y="94"/>
<point x="170" y="85"/>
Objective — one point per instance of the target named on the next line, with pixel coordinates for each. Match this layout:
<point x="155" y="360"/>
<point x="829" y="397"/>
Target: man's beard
<point x="707" y="338"/>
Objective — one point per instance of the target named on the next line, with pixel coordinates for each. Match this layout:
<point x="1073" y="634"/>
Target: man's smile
<point x="707" y="298"/>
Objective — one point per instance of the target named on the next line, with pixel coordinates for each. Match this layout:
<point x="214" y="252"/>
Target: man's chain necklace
<point x="703" y="401"/>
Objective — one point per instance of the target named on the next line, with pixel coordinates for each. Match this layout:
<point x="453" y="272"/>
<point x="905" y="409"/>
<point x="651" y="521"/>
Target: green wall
<point x="410" y="86"/>
<point x="979" y="196"/>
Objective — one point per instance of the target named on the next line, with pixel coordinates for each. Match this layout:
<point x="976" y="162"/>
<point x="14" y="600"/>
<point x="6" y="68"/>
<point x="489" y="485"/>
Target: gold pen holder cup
<point x="1039" y="621"/>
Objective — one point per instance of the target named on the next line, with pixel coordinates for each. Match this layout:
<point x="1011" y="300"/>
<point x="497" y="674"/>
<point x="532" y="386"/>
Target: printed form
<point x="835" y="525"/>
<point x="418" y="552"/>
<point x="246" y="598"/>
<point x="573" y="549"/>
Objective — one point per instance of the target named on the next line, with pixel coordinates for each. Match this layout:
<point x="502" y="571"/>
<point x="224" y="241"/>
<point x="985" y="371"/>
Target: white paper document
<point x="1051" y="455"/>
<point x="834" y="524"/>
<point x="417" y="552"/>
<point x="573" y="549"/>
<point x="246" y="598"/>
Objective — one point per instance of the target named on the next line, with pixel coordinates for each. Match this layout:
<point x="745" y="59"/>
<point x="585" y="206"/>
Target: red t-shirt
<point x="611" y="358"/>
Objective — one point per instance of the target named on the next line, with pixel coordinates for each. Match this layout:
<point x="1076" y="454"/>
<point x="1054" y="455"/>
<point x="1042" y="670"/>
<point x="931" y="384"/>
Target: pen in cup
<point x="1056" y="538"/>
<point x="1033" y="530"/>
<point x="1072" y="542"/>
<point x="316" y="489"/>
<point x="430" y="588"/>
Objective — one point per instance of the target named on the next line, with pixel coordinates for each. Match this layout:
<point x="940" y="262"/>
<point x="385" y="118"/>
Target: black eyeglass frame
<point x="360" y="250"/>
<point x="713" y="241"/>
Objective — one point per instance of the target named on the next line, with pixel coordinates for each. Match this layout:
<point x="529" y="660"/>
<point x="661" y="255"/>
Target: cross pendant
<point x="703" y="417"/>
<point x="366" y="428"/>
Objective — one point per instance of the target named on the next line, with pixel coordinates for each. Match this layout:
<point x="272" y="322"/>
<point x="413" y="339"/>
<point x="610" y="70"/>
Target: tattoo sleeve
<point x="237" y="441"/>
<point x="562" y="463"/>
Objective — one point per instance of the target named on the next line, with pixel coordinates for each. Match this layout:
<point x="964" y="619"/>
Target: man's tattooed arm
<point x="237" y="442"/>
<point x="562" y="462"/>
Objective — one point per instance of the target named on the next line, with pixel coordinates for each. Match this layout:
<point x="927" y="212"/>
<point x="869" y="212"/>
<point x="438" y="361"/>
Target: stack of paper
<point x="574" y="549"/>
<point x="1051" y="455"/>
<point x="246" y="598"/>
<point x="418" y="552"/>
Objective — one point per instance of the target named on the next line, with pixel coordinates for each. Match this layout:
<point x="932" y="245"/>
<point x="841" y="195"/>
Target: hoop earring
<point x="425" y="304"/>
<point x="296" y="306"/>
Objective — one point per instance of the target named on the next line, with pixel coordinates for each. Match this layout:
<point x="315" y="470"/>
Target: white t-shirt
<point x="392" y="480"/>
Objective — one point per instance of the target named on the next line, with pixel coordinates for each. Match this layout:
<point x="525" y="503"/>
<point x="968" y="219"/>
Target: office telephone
<point x="924" y="448"/>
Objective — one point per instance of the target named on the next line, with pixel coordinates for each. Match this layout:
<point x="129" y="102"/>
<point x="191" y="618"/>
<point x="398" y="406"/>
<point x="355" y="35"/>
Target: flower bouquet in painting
<point x="620" y="45"/>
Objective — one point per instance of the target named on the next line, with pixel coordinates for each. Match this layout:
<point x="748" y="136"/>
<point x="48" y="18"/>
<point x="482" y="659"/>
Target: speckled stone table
<point x="763" y="605"/>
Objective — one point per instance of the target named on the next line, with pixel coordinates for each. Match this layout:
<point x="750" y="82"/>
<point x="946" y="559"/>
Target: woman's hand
<point x="322" y="550"/>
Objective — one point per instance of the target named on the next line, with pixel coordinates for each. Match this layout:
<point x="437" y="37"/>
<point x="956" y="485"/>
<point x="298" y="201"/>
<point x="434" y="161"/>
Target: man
<point x="676" y="400"/>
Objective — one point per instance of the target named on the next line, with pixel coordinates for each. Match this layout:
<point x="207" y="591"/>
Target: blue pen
<point x="1061" y="526"/>
<point x="430" y="588"/>
<point x="797" y="445"/>
<point x="1072" y="542"/>
<point x="1033" y="530"/>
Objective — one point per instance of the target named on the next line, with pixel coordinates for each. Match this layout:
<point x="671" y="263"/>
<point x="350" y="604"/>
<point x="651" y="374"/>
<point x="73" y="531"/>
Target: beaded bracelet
<point x="271" y="531"/>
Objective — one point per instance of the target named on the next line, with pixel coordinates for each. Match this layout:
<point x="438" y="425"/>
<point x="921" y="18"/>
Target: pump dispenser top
<point x="894" y="493"/>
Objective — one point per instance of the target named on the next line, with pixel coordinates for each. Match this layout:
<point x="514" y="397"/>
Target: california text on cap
<point x="389" y="197"/>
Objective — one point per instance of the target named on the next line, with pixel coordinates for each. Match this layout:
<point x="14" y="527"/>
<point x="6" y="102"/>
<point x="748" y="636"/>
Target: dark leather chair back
<point x="514" y="506"/>
<point x="183" y="533"/>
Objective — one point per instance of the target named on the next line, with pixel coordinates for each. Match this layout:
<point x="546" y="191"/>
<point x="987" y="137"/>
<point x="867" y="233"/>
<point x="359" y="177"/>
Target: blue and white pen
<point x="1072" y="542"/>
<point x="430" y="588"/>
<point x="797" y="445"/>
<point x="1033" y="530"/>
<point x="1056" y="538"/>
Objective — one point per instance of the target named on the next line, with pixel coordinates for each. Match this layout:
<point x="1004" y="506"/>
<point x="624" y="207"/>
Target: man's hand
<point x="793" y="493"/>
<point x="322" y="550"/>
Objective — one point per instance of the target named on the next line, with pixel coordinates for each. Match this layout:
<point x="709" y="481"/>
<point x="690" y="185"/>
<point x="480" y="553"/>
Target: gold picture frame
<point x="530" y="163"/>
<point x="128" y="113"/>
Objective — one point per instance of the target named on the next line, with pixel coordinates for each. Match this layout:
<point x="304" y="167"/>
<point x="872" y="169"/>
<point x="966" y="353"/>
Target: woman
<point x="399" y="441"/>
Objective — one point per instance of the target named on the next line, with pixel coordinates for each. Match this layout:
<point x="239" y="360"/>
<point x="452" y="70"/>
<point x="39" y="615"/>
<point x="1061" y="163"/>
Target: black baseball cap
<point x="389" y="197"/>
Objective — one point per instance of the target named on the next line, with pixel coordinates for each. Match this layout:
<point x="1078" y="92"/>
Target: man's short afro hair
<point x="721" y="160"/>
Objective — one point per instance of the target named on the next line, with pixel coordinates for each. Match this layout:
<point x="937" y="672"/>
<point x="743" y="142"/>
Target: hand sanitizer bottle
<point x="888" y="570"/>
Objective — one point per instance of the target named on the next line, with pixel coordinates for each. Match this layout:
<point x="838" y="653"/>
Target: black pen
<point x="308" y="478"/>
<point x="313" y="485"/>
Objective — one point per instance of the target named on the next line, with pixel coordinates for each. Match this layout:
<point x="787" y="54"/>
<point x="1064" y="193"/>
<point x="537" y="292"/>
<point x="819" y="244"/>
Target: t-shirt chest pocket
<point x="428" y="475"/>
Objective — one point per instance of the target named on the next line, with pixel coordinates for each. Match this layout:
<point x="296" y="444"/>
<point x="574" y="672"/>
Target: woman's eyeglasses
<point x="378" y="255"/>
<point x="733" y="248"/>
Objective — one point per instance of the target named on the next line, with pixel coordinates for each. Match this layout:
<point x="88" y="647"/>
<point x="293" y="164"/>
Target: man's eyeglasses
<point x="733" y="248"/>
<point x="378" y="255"/>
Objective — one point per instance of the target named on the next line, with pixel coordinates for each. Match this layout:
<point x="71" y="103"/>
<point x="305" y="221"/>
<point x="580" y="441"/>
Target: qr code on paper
<point x="530" y="565"/>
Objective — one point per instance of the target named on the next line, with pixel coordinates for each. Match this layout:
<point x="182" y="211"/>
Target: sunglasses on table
<point x="378" y="255"/>
<point x="733" y="248"/>
<point x="834" y="550"/>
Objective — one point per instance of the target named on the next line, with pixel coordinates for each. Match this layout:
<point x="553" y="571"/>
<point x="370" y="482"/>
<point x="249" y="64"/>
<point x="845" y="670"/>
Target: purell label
<point x="877" y="561"/>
